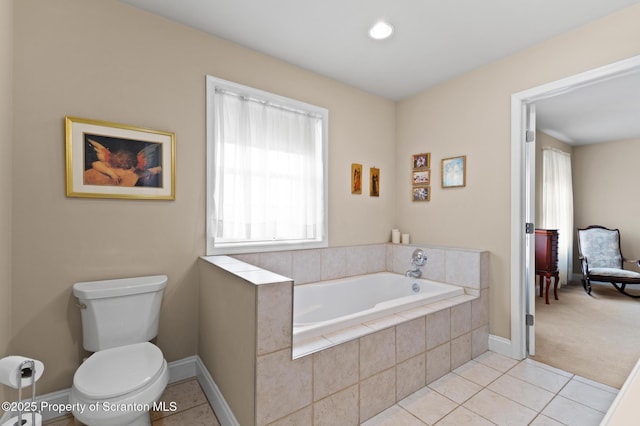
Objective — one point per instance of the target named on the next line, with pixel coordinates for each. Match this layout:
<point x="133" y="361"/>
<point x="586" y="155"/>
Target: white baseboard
<point x="178" y="370"/>
<point x="217" y="401"/>
<point x="182" y="369"/>
<point x="501" y="345"/>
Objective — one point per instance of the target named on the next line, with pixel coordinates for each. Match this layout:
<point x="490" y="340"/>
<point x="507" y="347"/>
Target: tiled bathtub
<point x="245" y="334"/>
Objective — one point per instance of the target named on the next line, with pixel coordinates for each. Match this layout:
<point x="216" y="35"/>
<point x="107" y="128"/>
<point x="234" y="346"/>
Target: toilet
<point x="126" y="374"/>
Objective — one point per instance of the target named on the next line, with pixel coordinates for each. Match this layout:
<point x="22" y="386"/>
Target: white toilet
<point x="120" y="381"/>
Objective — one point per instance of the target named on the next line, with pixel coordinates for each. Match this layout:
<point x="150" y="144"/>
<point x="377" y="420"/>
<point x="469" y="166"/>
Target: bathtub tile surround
<point x="361" y="370"/>
<point x="274" y="314"/>
<point x="377" y="352"/>
<point x="410" y="339"/>
<point x="283" y="386"/>
<point x="306" y="268"/>
<point x="335" y="368"/>
<point x="410" y="375"/>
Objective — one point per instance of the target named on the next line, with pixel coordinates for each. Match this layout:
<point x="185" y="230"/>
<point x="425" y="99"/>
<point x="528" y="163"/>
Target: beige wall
<point x="6" y="142"/>
<point x="605" y="178"/>
<point x="470" y="115"/>
<point x="105" y="60"/>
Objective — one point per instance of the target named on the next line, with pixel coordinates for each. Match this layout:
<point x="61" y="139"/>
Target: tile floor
<point x="496" y="390"/>
<point x="489" y="390"/>
<point x="192" y="408"/>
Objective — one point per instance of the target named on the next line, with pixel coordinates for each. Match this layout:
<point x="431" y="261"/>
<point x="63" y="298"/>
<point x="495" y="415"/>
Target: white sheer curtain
<point x="557" y="205"/>
<point x="268" y="179"/>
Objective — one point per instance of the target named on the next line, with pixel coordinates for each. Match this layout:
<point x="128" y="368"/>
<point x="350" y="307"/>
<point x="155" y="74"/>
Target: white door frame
<point x="518" y="122"/>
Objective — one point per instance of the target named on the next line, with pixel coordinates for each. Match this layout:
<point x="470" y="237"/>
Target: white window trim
<point x="235" y="248"/>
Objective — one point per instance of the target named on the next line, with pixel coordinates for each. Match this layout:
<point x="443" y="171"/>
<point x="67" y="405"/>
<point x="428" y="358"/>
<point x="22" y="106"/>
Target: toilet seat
<point x="117" y="371"/>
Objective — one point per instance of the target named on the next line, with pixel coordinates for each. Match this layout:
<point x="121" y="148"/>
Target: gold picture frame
<point x="421" y="193"/>
<point x="356" y="178"/>
<point x="421" y="177"/>
<point x="421" y="161"/>
<point x="374" y="182"/>
<point x="111" y="160"/>
<point x="453" y="172"/>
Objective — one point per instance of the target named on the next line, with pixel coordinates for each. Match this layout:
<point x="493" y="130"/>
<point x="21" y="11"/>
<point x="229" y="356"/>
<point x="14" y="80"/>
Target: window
<point x="557" y="205"/>
<point x="266" y="171"/>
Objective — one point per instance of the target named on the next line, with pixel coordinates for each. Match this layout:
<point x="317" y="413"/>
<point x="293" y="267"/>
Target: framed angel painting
<point x="110" y="160"/>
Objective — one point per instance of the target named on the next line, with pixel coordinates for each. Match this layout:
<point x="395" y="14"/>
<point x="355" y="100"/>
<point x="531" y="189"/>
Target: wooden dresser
<point x="547" y="261"/>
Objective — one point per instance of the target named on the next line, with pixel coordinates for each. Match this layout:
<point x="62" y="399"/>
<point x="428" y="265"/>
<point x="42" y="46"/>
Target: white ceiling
<point x="603" y="112"/>
<point x="434" y="40"/>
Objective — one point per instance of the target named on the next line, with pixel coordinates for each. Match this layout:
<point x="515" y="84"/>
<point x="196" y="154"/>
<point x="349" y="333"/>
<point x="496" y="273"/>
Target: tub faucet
<point x="418" y="259"/>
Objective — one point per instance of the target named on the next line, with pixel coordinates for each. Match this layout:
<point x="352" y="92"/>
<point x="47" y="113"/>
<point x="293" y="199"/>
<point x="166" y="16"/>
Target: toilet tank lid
<point x="119" y="287"/>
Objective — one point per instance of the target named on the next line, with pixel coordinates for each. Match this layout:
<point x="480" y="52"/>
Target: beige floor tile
<point x="477" y="373"/>
<point x="572" y="413"/>
<point x="428" y="405"/>
<point x="588" y="395"/>
<point x="456" y="388"/>
<point x="201" y="415"/>
<point x="542" y="377"/>
<point x="543" y="420"/>
<point x="462" y="416"/>
<point x="496" y="361"/>
<point x="522" y="392"/>
<point x="538" y="364"/>
<point x="500" y="410"/>
<point x="394" y="416"/>
<point x="67" y="420"/>
<point x="181" y="395"/>
<point x="602" y="386"/>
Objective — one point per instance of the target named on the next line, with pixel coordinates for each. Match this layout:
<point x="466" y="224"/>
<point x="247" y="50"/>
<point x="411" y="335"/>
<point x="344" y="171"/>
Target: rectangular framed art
<point x="454" y="172"/>
<point x="356" y="178"/>
<point x="110" y="160"/>
<point x="421" y="193"/>
<point x="421" y="177"/>
<point x="421" y="161"/>
<point x="374" y="182"/>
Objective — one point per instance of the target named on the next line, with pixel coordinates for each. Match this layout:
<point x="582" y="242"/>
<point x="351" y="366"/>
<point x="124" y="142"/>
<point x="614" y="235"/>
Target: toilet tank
<point x="119" y="312"/>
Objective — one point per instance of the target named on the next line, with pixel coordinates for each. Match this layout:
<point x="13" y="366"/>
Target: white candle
<point x="405" y="238"/>
<point x="395" y="236"/>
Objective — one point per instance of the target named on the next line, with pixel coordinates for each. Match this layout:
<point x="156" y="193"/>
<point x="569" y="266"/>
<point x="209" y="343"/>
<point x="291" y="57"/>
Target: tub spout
<point x="416" y="273"/>
<point x="418" y="258"/>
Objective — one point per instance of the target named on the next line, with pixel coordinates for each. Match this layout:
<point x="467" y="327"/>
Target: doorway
<point x="523" y="194"/>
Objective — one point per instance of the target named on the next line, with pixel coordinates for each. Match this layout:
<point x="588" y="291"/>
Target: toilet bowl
<point x="119" y="386"/>
<point x="126" y="374"/>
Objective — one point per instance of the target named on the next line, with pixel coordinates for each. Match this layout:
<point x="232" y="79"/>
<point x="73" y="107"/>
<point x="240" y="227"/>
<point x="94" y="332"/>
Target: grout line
<point x="179" y="413"/>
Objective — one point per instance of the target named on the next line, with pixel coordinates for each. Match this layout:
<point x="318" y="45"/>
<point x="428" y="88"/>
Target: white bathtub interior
<point x="327" y="306"/>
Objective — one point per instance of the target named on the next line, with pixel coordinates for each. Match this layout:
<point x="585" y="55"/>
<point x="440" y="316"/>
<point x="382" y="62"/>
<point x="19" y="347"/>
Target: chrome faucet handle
<point x="418" y="258"/>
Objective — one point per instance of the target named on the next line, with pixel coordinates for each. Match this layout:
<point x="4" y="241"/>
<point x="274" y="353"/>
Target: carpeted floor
<point x="597" y="336"/>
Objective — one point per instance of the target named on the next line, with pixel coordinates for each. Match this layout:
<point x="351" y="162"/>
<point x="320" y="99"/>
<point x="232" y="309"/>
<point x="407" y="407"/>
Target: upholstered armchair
<point x="601" y="259"/>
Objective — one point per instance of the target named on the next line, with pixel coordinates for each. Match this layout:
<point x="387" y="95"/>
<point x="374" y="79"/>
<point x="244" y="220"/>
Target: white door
<point x="529" y="234"/>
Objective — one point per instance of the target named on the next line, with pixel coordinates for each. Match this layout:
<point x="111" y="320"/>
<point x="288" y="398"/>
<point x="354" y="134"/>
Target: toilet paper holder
<point x="27" y="370"/>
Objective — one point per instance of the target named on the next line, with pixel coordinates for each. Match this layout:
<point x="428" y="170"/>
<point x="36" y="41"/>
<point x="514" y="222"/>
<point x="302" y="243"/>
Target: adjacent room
<point x="595" y="133"/>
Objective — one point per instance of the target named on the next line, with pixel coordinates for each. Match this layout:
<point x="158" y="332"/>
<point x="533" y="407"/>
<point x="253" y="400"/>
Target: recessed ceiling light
<point x="380" y="30"/>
